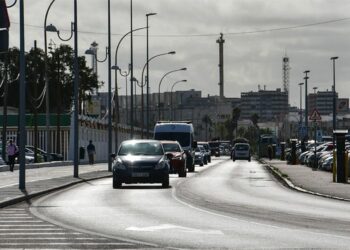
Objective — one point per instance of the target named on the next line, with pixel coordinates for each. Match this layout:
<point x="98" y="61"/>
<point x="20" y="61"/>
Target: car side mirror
<point x="113" y="156"/>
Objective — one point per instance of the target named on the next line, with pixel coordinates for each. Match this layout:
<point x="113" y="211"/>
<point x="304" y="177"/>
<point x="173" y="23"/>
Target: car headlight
<point x="161" y="164"/>
<point x="119" y="165"/>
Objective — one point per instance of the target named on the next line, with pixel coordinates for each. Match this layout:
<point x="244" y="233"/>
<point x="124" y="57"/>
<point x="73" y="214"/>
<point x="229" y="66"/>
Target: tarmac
<point x="41" y="179"/>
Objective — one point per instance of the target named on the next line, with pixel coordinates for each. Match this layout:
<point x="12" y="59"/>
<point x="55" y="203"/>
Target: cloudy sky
<point x="257" y="33"/>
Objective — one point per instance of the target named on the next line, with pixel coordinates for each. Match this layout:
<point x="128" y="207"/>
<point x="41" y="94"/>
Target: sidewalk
<point x="304" y="179"/>
<point x="45" y="179"/>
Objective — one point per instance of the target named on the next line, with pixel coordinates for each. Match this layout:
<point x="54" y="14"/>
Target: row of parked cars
<point x="322" y="158"/>
<point x="42" y="155"/>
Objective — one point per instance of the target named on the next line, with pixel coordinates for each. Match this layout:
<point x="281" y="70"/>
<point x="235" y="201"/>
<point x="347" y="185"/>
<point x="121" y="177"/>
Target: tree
<point x="208" y="123"/>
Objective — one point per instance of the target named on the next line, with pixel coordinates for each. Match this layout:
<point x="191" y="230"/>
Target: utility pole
<point x="221" y="42"/>
<point x="306" y="105"/>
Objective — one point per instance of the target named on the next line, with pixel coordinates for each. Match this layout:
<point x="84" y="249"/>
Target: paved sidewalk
<point x="304" y="179"/>
<point x="45" y="179"/>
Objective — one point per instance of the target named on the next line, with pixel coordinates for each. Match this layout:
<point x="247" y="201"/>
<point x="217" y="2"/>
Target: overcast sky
<point x="191" y="28"/>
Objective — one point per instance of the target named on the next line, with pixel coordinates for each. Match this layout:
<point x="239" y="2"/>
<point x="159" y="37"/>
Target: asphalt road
<point x="224" y="205"/>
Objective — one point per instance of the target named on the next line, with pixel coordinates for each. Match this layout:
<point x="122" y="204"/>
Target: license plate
<point x="140" y="174"/>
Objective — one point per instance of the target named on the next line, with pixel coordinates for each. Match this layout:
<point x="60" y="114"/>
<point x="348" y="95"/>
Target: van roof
<point x="173" y="127"/>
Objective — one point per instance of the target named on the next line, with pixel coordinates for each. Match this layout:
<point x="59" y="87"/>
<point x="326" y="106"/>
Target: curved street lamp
<point x="141" y="85"/>
<point x="116" y="109"/>
<point x="160" y="82"/>
<point x="171" y="99"/>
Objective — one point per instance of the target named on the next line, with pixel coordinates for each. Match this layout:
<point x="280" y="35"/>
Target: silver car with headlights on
<point x="140" y="161"/>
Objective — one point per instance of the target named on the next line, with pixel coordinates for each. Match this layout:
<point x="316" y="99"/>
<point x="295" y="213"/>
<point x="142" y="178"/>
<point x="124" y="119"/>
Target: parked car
<point x="207" y="149"/>
<point x="46" y="156"/>
<point x="214" y="148"/>
<point x="241" y="151"/>
<point x="140" y="161"/>
<point x="198" y="157"/>
<point x="205" y="154"/>
<point x="176" y="156"/>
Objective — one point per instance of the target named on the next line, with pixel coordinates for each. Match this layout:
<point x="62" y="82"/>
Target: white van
<point x="178" y="131"/>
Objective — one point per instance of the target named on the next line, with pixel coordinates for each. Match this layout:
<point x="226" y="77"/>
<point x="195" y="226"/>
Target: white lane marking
<point x="32" y="229"/>
<point x="72" y="243"/>
<point x="51" y="233"/>
<point x="16" y="225"/>
<point x="247" y="221"/>
<point x="173" y="227"/>
<point x="23" y="221"/>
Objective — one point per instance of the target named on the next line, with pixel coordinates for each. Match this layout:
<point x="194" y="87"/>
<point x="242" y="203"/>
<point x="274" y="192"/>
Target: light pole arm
<point x="144" y="67"/>
<point x="106" y="56"/>
<point x="121" y="39"/>
<point x="71" y="33"/>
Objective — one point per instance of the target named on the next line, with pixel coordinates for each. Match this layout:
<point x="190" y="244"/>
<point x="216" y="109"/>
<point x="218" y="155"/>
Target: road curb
<point x="287" y="182"/>
<point x="27" y="197"/>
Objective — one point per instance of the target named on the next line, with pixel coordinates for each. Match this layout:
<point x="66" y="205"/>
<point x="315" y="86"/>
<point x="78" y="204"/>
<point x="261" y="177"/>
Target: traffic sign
<point x="315" y="115"/>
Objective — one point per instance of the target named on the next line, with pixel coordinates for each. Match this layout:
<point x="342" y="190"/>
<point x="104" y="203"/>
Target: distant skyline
<point x="257" y="33"/>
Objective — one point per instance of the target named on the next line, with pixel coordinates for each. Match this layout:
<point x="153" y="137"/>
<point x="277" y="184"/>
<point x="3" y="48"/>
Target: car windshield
<point x="171" y="147"/>
<point x="141" y="148"/>
<point x="242" y="147"/>
<point x="181" y="137"/>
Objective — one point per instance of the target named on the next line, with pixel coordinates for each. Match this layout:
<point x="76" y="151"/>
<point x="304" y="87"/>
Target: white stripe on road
<point x="23" y="221"/>
<point x="63" y="233"/>
<point x="32" y="229"/>
<point x="72" y="243"/>
<point x="15" y="225"/>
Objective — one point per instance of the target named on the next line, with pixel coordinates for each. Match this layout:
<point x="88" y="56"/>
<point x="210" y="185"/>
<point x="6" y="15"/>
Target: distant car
<point x="241" y="151"/>
<point x="198" y="157"/>
<point x="207" y="149"/>
<point x="214" y="148"/>
<point x="205" y="154"/>
<point x="176" y="156"/>
<point x="140" y="161"/>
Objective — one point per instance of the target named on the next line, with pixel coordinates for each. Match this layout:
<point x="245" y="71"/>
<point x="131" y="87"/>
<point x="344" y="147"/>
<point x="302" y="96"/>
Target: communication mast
<point x="285" y="70"/>
<point x="221" y="42"/>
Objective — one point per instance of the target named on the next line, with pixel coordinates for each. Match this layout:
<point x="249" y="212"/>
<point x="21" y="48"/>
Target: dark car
<point x="140" y="161"/>
<point x="241" y="151"/>
<point x="176" y="156"/>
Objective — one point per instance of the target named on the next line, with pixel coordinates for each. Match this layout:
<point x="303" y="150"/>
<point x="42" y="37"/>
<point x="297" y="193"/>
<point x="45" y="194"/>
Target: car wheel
<point x="116" y="182"/>
<point x="165" y="183"/>
<point x="201" y="164"/>
<point x="191" y="168"/>
<point x="183" y="173"/>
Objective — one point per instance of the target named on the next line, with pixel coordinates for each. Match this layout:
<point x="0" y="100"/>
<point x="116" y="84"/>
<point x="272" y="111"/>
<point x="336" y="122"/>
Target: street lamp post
<point x="171" y="98"/>
<point x="334" y="98"/>
<point x="306" y="104"/>
<point x="315" y="124"/>
<point x="147" y="75"/>
<point x="141" y="85"/>
<point x="160" y="82"/>
<point x="22" y="99"/>
<point x="300" y="110"/>
<point x="74" y="31"/>
<point x="47" y="87"/>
